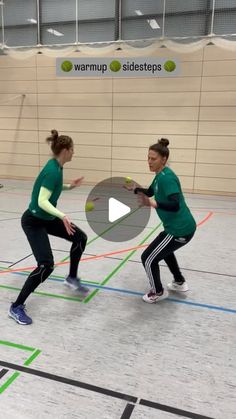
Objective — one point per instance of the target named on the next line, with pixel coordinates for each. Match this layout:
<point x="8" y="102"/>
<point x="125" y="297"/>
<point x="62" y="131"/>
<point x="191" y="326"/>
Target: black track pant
<point x="162" y="248"/>
<point x="37" y="231"/>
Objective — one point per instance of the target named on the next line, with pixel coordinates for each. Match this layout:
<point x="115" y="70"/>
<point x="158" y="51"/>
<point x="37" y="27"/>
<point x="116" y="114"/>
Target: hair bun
<point x="164" y="142"/>
<point x="54" y="133"/>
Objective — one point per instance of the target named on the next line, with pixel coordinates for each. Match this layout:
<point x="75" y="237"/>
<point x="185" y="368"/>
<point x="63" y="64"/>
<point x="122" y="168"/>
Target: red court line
<point x="140" y="246"/>
<point x="205" y="219"/>
<point x="216" y="211"/>
<point x="103" y="255"/>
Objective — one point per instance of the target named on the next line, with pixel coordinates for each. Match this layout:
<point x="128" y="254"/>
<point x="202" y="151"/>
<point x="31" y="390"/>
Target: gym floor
<point x="112" y="356"/>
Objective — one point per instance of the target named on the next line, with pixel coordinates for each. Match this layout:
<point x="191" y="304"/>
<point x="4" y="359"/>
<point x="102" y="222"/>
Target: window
<point x="59" y="22"/>
<point x="187" y="18"/>
<point x="20" y="22"/>
<point x="142" y="19"/>
<point x="96" y="20"/>
<point x="224" y="17"/>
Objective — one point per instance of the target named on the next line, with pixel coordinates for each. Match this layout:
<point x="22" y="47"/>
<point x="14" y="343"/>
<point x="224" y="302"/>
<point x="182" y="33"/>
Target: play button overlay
<point x="117" y="210"/>
<point x="113" y="212"/>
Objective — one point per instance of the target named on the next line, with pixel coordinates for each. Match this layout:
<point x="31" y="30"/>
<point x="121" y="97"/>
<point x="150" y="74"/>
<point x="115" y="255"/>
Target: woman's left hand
<point x="76" y="183"/>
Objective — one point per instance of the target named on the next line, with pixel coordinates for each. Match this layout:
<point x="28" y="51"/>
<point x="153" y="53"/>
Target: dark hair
<point x="161" y="147"/>
<point x="59" y="142"/>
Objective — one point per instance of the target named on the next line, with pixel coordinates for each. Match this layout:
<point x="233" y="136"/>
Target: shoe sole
<point x="74" y="288"/>
<point x="71" y="286"/>
<point x="157" y="300"/>
<point x="82" y="296"/>
<point x="18" y="321"/>
<point x="176" y="290"/>
<point x="150" y="301"/>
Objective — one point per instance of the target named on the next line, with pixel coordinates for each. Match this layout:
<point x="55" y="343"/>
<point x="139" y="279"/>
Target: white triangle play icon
<point x="117" y="210"/>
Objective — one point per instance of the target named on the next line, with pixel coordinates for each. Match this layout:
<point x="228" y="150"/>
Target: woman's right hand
<point x="130" y="187"/>
<point x="145" y="201"/>
<point x="68" y="225"/>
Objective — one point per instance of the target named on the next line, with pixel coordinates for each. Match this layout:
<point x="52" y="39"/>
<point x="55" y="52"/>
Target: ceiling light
<point x="138" y="12"/>
<point x="32" y="20"/>
<point x="153" y="23"/>
<point x="54" y="32"/>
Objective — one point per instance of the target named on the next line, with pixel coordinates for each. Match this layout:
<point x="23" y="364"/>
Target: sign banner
<point x="114" y="67"/>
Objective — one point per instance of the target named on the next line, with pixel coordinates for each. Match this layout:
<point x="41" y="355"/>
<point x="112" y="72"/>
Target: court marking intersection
<point x="34" y="353"/>
<point x="101" y="286"/>
<point x="104" y="391"/>
<point x="134" y="400"/>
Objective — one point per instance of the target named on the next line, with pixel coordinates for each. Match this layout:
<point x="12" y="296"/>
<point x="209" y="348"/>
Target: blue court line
<point x="124" y="291"/>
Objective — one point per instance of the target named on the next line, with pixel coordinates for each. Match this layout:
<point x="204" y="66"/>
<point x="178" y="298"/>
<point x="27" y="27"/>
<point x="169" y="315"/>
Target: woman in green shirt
<point x="43" y="218"/>
<point x="178" y="222"/>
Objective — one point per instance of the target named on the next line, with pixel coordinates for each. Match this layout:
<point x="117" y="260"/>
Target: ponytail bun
<point x="161" y="147"/>
<point x="164" y="142"/>
<point x="59" y="142"/>
<point x="54" y="133"/>
<point x="53" y="137"/>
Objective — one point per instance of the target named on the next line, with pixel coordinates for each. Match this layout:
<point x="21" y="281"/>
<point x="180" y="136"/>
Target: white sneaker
<point x="151" y="297"/>
<point x="174" y="286"/>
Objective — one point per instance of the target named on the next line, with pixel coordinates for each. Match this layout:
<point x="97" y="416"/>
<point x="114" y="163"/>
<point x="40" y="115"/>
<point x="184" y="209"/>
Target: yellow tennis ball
<point x="66" y="66"/>
<point x="115" y="66"/>
<point x="89" y="206"/>
<point x="128" y="180"/>
<point x="169" y="66"/>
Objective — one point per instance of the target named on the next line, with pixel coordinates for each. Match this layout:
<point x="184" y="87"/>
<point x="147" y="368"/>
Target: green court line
<point x="108" y="277"/>
<point x="15" y="345"/>
<point x="105" y="231"/>
<point x="64" y="297"/>
<point x="28" y="361"/>
<point x="99" y="222"/>
<point x="43" y="294"/>
<point x="119" y="266"/>
<point x="67" y="257"/>
<point x="63" y="277"/>
<point x="52" y="276"/>
<point x="87" y="299"/>
<point x="32" y="357"/>
<point x="9" y="381"/>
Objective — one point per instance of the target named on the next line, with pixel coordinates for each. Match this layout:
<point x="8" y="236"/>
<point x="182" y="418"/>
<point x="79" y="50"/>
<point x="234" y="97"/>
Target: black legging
<point x="163" y="247"/>
<point x="37" y="230"/>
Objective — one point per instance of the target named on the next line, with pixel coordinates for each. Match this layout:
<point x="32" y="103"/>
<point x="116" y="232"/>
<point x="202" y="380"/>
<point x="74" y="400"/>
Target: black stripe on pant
<point x="162" y="248"/>
<point x="37" y="231"/>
